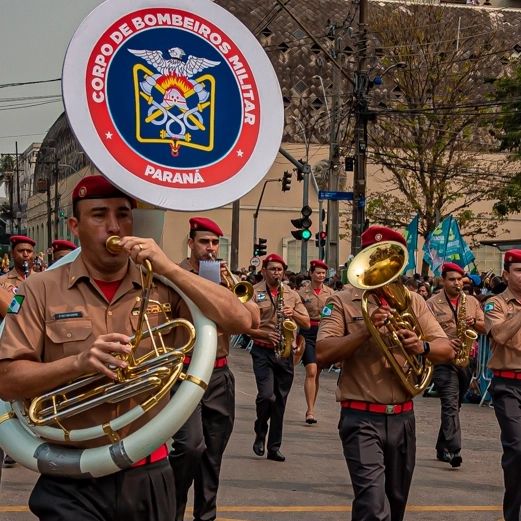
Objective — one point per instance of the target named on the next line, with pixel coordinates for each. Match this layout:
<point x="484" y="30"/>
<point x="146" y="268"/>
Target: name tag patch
<point x="68" y="314"/>
<point x="16" y="304"/>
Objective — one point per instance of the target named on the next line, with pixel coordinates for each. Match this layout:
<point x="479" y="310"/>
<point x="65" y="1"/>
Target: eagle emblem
<point x="170" y="91"/>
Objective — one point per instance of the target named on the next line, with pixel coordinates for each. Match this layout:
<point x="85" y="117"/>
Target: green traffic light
<point x="306" y="235"/>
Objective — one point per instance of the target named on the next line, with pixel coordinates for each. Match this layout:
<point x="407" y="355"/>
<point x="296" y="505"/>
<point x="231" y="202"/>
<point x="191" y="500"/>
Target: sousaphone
<point x="177" y="104"/>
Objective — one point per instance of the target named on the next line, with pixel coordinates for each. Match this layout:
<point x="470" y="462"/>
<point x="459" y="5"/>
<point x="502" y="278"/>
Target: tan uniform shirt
<point x="315" y="303"/>
<point x="61" y="314"/>
<point x="441" y="309"/>
<point x="498" y="309"/>
<point x="12" y="277"/>
<point x="268" y="313"/>
<point x="366" y="375"/>
<point x="223" y="339"/>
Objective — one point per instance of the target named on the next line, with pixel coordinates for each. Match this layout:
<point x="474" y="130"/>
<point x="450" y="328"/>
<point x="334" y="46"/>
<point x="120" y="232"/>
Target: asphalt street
<point x="313" y="483"/>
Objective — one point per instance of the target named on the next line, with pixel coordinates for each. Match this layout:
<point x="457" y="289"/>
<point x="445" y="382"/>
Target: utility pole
<point x="18" y="205"/>
<point x="56" y="198"/>
<point x="334" y="157"/>
<point x="360" y="101"/>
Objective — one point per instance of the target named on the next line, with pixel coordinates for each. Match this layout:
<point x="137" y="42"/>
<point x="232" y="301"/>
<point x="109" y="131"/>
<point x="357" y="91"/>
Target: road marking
<point x="319" y="508"/>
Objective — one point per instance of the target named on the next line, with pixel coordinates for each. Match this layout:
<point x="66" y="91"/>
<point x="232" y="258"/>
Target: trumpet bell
<point x="243" y="291"/>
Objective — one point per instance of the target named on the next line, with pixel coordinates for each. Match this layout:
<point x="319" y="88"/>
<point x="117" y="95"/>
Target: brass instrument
<point x="466" y="336"/>
<point x="376" y="270"/>
<point x="285" y="327"/>
<point x="242" y="289"/>
<point x="5" y="262"/>
<point x="155" y="372"/>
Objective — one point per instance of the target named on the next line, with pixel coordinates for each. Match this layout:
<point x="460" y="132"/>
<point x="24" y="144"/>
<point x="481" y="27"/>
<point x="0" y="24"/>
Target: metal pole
<point x="56" y="198"/>
<point x="236" y="211"/>
<point x="361" y="86"/>
<point x="49" y="222"/>
<point x="256" y="214"/>
<point x="305" y="202"/>
<point x="18" y="206"/>
<point x="332" y="206"/>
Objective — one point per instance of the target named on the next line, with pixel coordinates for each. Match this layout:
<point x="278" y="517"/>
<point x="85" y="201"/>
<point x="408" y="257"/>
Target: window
<point x="291" y="252"/>
<point x="488" y="258"/>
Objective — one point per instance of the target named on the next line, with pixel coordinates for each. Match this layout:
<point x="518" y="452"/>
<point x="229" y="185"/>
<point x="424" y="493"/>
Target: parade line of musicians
<point x="73" y="320"/>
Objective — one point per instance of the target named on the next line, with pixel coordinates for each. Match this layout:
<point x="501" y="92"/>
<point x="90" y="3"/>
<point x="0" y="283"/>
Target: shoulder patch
<point x="489" y="306"/>
<point x="327" y="310"/>
<point x="16" y="304"/>
<point x="261" y="296"/>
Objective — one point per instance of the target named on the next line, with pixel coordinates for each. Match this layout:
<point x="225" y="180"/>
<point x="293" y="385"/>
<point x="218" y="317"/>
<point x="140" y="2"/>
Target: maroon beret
<point x="203" y="224"/>
<point x="512" y="256"/>
<point x="17" y="239"/>
<point x="378" y="233"/>
<point x="273" y="257"/>
<point x="62" y="244"/>
<point x="98" y="187"/>
<point x="318" y="264"/>
<point x="451" y="266"/>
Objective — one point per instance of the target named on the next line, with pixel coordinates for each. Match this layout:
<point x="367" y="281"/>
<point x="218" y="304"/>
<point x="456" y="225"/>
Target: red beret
<point x="273" y="257"/>
<point x="61" y="244"/>
<point x="17" y="239"/>
<point x="451" y="266"/>
<point x="98" y="187"/>
<point x="513" y="256"/>
<point x="377" y="233"/>
<point x="202" y="224"/>
<point x="318" y="264"/>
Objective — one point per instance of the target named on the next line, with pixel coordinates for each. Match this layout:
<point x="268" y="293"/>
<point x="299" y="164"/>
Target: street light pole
<point x="360" y="174"/>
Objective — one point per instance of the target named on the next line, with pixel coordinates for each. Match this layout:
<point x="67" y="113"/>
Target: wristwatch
<point x="426" y="348"/>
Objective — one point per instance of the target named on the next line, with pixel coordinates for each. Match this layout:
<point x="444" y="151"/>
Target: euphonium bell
<point x="376" y="270"/>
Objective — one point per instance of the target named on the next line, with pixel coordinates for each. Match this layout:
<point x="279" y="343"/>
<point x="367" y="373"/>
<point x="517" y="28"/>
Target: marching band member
<point x="273" y="375"/>
<point x="314" y="297"/>
<point x="75" y="320"/>
<point x="503" y="325"/>
<point x="60" y="248"/>
<point x="199" y="445"/>
<point x="452" y="382"/>
<point x="377" y="425"/>
<point x="22" y="253"/>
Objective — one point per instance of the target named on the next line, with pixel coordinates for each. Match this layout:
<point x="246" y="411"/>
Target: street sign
<point x="335" y="196"/>
<point x="255" y="261"/>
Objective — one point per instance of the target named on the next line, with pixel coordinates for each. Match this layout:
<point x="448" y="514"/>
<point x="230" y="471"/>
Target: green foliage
<point x="509" y="122"/>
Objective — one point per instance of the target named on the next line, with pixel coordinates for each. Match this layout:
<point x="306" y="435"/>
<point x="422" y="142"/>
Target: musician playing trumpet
<point x="377" y="424"/>
<point x="457" y="313"/>
<point x="78" y="319"/>
<point x="199" y="445"/>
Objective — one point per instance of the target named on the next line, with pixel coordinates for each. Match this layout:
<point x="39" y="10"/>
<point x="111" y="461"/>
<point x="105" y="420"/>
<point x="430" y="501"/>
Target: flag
<point x="445" y="244"/>
<point x="436" y="245"/>
<point x="411" y="236"/>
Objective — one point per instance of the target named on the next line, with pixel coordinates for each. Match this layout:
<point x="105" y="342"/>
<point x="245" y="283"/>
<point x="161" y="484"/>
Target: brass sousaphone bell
<point x="377" y="269"/>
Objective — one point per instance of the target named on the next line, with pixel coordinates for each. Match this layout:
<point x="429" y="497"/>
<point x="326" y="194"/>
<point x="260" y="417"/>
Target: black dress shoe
<point x="258" y="446"/>
<point x="276" y="456"/>
<point x="443" y="456"/>
<point x="455" y="460"/>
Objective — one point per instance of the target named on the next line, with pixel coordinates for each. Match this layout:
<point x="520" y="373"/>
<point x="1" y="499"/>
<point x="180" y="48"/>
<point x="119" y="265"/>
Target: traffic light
<point x="320" y="239"/>
<point x="286" y="181"/>
<point x="259" y="249"/>
<point x="303" y="233"/>
<point x="349" y="164"/>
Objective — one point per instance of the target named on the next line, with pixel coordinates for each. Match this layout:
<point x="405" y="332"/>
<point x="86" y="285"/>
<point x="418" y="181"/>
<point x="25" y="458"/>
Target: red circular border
<point x="222" y="170"/>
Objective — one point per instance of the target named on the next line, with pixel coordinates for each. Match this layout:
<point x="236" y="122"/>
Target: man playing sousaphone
<point x="200" y="443"/>
<point x="79" y="319"/>
<point x="377" y="425"/>
<point x="456" y="312"/>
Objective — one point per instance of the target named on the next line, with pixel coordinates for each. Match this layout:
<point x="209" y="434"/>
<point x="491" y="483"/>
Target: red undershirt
<point x="108" y="288"/>
<point x="317" y="291"/>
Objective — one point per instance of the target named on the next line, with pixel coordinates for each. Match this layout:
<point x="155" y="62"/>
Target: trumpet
<point x="242" y="289"/>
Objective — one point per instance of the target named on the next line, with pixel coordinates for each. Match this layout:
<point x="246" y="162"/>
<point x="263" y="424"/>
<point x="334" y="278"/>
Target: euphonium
<point x="376" y="270"/>
<point x="285" y="327"/>
<point x="242" y="289"/>
<point x="467" y="336"/>
<point x="29" y="433"/>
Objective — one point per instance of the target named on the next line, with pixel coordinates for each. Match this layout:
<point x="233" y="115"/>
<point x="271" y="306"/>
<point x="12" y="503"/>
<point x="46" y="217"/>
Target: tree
<point x="430" y="135"/>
